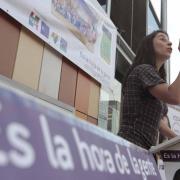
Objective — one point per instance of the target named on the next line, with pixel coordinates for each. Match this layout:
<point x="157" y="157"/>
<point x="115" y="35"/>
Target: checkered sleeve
<point x="149" y="77"/>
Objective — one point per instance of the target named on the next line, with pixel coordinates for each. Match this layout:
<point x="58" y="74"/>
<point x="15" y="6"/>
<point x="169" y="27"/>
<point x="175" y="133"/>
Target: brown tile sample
<point x="9" y="38"/>
<point x="92" y="120"/>
<point x="68" y="82"/>
<point x="82" y="92"/>
<point x="81" y="115"/>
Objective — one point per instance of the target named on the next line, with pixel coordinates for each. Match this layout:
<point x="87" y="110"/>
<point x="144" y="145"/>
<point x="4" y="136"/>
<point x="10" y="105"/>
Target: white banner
<point x="174" y="118"/>
<point x="75" y="28"/>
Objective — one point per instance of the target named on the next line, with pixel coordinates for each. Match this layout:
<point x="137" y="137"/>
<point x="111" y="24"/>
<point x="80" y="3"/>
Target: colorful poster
<point x="75" y="28"/>
<point x="38" y="141"/>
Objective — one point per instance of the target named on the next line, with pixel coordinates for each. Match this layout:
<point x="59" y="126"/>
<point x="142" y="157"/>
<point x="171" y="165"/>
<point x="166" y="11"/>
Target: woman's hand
<point x="165" y="130"/>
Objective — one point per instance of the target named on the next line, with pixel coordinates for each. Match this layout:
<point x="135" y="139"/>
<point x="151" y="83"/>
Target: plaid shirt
<point x="141" y="111"/>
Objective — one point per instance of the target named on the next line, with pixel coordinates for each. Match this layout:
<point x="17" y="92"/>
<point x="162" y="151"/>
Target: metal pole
<point x="109" y="8"/>
<point x="164" y="27"/>
<point x="164" y="14"/>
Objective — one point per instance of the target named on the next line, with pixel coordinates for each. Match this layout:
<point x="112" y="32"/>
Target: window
<point x="103" y="3"/>
<point x="152" y="20"/>
<point x="122" y="66"/>
<point x="109" y="108"/>
<point x="157" y="7"/>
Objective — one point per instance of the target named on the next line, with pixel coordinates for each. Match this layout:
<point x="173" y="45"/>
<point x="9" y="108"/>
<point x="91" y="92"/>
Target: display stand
<point x="170" y="154"/>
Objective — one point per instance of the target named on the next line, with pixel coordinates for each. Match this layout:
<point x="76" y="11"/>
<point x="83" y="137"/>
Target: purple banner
<point x="37" y="142"/>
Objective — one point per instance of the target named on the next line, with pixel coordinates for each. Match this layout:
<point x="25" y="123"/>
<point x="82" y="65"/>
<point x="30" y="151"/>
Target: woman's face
<point x="162" y="46"/>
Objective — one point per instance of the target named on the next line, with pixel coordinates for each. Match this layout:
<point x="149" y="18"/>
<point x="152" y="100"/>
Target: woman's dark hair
<point x="146" y="55"/>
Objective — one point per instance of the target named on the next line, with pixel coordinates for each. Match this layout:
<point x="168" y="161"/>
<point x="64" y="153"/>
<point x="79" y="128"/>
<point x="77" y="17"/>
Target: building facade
<point x="134" y="19"/>
<point x="29" y="63"/>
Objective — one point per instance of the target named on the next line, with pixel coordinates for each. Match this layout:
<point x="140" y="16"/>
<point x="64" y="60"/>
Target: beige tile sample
<point x="50" y="72"/>
<point x="94" y="98"/>
<point x="28" y="60"/>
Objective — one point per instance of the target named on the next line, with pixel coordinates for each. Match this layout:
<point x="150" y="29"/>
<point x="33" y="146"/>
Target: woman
<point x="145" y="92"/>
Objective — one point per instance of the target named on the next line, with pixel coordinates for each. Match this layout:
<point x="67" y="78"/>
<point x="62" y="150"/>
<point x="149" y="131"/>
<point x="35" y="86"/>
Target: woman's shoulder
<point x="144" y="71"/>
<point x="144" y="67"/>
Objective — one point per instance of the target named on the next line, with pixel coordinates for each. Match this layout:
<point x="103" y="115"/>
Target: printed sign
<point x="171" y="155"/>
<point x="38" y="141"/>
<point x="75" y="28"/>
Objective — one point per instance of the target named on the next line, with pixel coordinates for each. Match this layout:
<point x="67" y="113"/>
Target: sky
<point x="173" y="29"/>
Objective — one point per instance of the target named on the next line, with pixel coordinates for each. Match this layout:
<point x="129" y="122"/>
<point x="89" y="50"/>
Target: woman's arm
<point x="165" y="130"/>
<point x="169" y="94"/>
